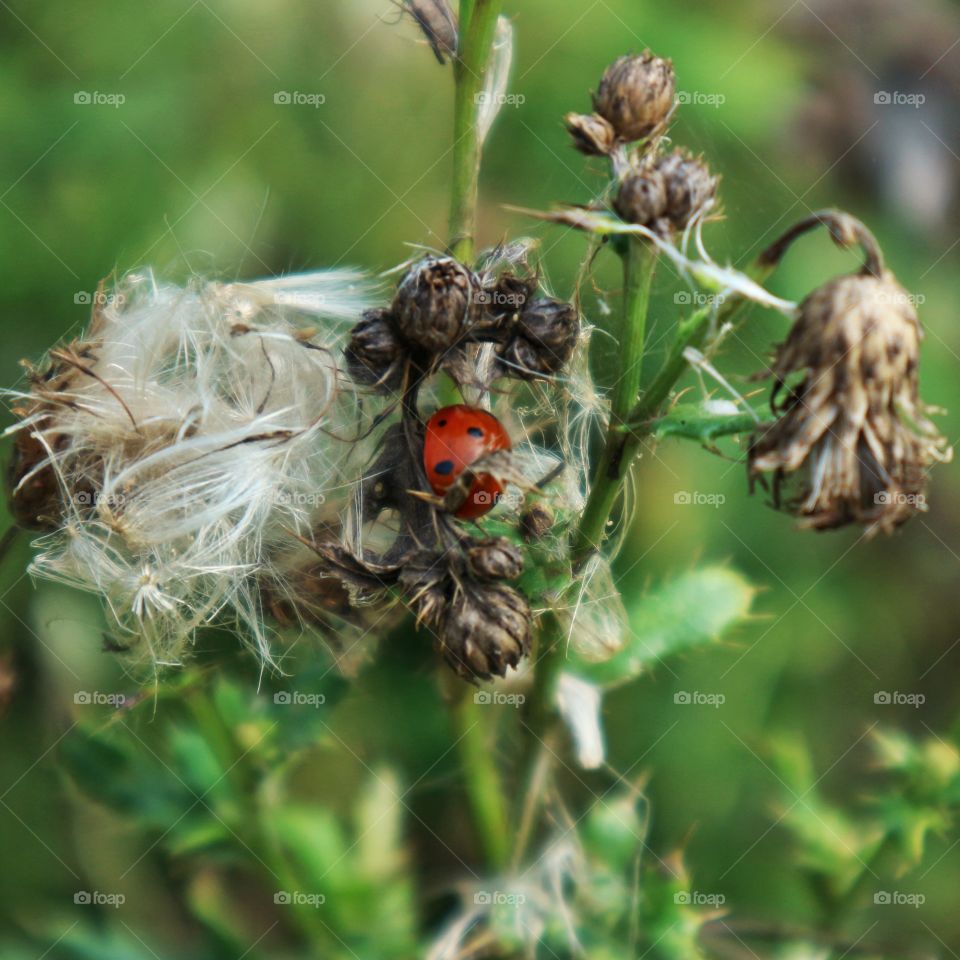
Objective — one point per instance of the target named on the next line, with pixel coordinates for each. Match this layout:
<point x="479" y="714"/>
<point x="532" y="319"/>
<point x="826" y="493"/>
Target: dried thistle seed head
<point x="436" y="303"/>
<point x="375" y="353"/>
<point x="636" y="95"/>
<point x="438" y="23"/>
<point x="485" y="630"/>
<point x="553" y="325"/>
<point x="536" y="523"/>
<point x="494" y="559"/>
<point x="689" y="184"/>
<point x="852" y="431"/>
<point x="592" y="135"/>
<point x="642" y="197"/>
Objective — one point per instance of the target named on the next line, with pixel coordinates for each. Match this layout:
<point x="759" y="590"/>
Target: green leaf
<point x="692" y="422"/>
<point x="692" y="610"/>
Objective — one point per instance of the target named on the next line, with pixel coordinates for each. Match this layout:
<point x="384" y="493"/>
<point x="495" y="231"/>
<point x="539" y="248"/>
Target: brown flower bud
<point x="591" y="134"/>
<point x="690" y="186"/>
<point x="525" y="360"/>
<point x="636" y="95"/>
<point x="494" y="559"/>
<point x="852" y="433"/>
<point x="374" y="353"/>
<point x="536" y="523"/>
<point x="436" y="303"/>
<point x="553" y="324"/>
<point x="486" y="629"/>
<point x="642" y="197"/>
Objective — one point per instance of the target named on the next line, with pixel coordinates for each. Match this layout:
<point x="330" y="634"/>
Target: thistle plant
<point x="316" y="462"/>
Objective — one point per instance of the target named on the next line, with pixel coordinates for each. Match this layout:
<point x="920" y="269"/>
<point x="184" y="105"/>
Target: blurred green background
<point x="200" y="169"/>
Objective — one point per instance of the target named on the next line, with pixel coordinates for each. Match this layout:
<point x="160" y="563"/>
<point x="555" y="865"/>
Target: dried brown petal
<point x="636" y="95"/>
<point x="592" y="135"/>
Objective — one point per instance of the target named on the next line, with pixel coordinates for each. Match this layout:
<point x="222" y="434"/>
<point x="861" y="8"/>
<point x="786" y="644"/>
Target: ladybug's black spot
<point x="444" y="467"/>
<point x="441" y="423"/>
<point x="475" y="431"/>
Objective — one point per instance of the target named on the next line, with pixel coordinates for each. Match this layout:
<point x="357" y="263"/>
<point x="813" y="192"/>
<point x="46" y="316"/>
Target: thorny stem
<point x="621" y="447"/>
<point x="478" y="22"/>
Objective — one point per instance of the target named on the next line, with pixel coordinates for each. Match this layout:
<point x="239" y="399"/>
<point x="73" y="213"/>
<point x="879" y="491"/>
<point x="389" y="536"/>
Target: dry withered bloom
<point x="439" y="25"/>
<point x="592" y="135"/>
<point x="636" y="95"/>
<point x="544" y="339"/>
<point x="666" y="193"/>
<point x="485" y="629"/>
<point x="436" y="303"/>
<point x="494" y="559"/>
<point x="852" y="428"/>
<point x="374" y="353"/>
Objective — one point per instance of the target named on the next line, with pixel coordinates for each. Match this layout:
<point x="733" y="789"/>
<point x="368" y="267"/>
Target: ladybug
<point x="456" y="437"/>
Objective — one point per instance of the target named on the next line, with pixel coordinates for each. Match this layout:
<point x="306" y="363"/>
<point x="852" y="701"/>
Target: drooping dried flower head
<point x="436" y="303"/>
<point x="852" y="428"/>
<point x="170" y="452"/>
<point x="543" y="340"/>
<point x="591" y="134"/>
<point x="439" y="25"/>
<point x="374" y="354"/>
<point x="636" y="95"/>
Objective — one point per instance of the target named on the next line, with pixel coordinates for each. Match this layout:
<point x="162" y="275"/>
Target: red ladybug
<point x="456" y="437"/>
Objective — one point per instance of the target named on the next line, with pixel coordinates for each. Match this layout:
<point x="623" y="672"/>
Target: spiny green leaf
<point x="694" y="609"/>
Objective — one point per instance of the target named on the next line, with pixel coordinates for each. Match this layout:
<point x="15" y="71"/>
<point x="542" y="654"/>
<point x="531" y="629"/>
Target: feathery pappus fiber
<point x="171" y="453"/>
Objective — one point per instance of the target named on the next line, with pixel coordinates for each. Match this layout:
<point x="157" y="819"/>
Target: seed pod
<point x="852" y="432"/>
<point x="494" y="559"/>
<point x="436" y="303"/>
<point x="525" y="360"/>
<point x="642" y="197"/>
<point x="486" y="629"/>
<point x="690" y="186"/>
<point x="536" y="523"/>
<point x="636" y="95"/>
<point x="374" y="353"/>
<point x="552" y="324"/>
<point x="592" y="135"/>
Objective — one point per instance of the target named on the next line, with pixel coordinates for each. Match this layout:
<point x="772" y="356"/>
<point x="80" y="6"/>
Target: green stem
<point x="483" y="781"/>
<point x="478" y="23"/>
<point x="620" y="449"/>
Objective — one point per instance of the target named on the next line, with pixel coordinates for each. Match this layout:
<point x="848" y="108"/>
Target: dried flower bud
<point x="855" y="420"/>
<point x="525" y="360"/>
<point x="485" y="629"/>
<point x="553" y="324"/>
<point x="690" y="186"/>
<point x="374" y="353"/>
<point x="536" y="523"/>
<point x="438" y="23"/>
<point x="642" y="197"/>
<point x="494" y="559"/>
<point x="504" y="299"/>
<point x="636" y="95"/>
<point x="436" y="303"/>
<point x="591" y="134"/>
